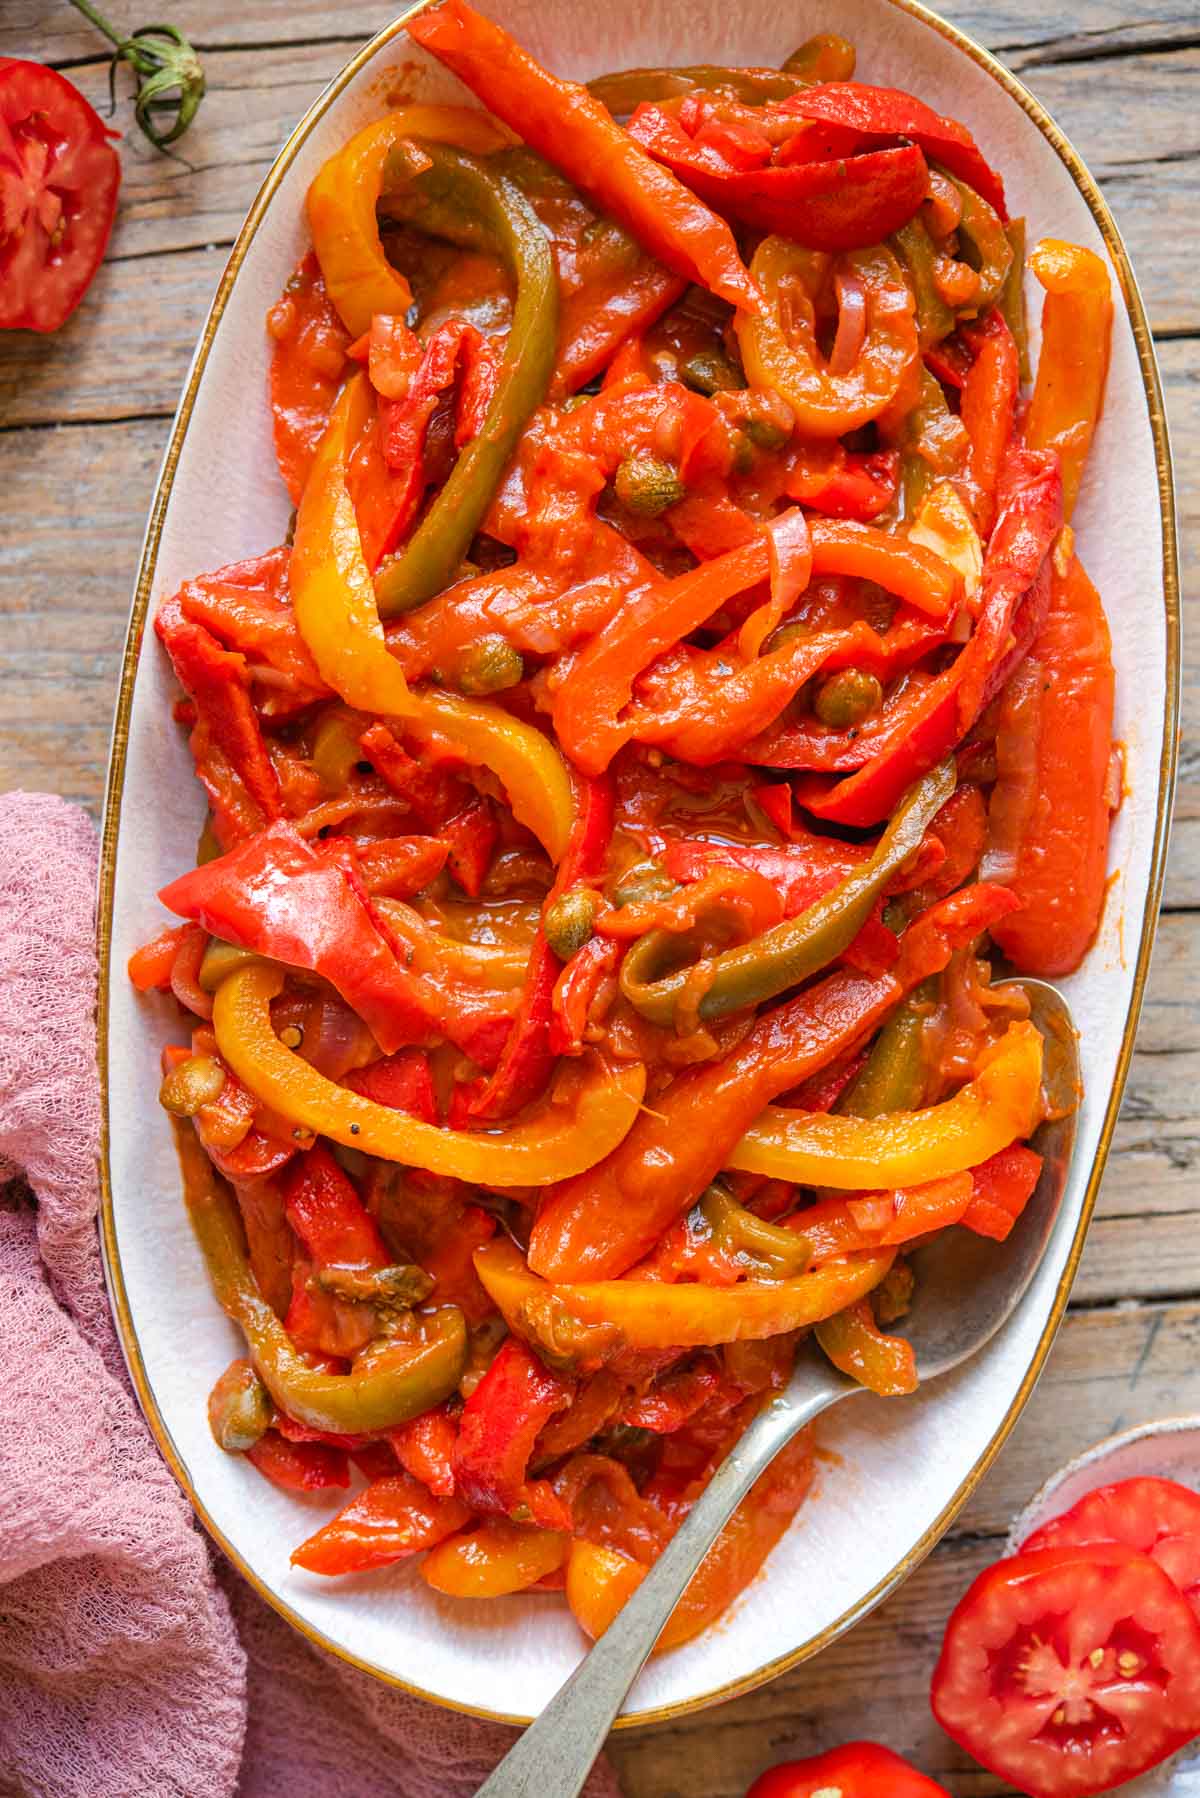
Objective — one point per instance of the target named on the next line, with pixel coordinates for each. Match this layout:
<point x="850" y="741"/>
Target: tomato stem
<point x="170" y="80"/>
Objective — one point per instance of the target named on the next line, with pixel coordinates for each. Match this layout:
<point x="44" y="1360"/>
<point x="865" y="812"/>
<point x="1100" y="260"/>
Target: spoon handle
<point x="554" y="1756"/>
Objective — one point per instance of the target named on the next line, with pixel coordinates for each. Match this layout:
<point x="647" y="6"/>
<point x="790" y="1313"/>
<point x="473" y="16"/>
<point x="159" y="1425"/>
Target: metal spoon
<point x="966" y="1289"/>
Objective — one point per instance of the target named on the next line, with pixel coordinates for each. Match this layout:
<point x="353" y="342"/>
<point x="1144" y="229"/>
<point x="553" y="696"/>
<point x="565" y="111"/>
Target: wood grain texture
<point x="83" y="422"/>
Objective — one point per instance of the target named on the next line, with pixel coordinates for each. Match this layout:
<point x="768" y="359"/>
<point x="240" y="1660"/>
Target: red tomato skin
<point x="1102" y="1583"/>
<point x="43" y="115"/>
<point x="856" y="1770"/>
<point x="1159" y="1518"/>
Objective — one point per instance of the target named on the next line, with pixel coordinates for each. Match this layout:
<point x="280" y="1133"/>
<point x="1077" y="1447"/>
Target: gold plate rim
<point x="1139" y="324"/>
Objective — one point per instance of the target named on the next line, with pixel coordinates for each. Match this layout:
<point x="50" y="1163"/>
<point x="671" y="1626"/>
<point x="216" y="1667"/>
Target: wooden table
<point x="83" y="421"/>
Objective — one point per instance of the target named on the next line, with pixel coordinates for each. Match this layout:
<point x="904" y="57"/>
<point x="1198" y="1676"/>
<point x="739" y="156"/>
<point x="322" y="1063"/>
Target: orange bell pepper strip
<point x="649" y="1314"/>
<point x="571" y="129"/>
<point x="1050" y="811"/>
<point x="999" y="1106"/>
<point x="1073" y="366"/>
<point x="333" y="597"/>
<point x="493" y="1559"/>
<point x="539" y="1149"/>
<point x="989" y="398"/>
<point x="854" y="1343"/>
<point x="598" y="1224"/>
<point x="393" y="1518"/>
<point x="342" y="200"/>
<point x="600" y="1579"/>
<point x="149" y="968"/>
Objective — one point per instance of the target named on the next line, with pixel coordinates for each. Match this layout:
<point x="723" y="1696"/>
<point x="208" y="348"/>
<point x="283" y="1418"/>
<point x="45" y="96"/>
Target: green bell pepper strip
<point x="791" y="951"/>
<point x="914" y="246"/>
<point x="786" y="1252"/>
<point x="1012" y="296"/>
<point x="389" y="1382"/>
<point x="893" y="1076"/>
<point x="627" y="89"/>
<point x="982" y="232"/>
<point x="460" y="198"/>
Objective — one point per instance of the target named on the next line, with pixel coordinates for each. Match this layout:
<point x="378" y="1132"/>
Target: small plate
<point x="1167" y="1450"/>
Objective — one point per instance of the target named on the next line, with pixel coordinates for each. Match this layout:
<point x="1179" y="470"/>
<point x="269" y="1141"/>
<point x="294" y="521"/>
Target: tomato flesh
<point x="1158" y="1517"/>
<point x="856" y="1770"/>
<point x="1069" y="1670"/>
<point x="59" y="176"/>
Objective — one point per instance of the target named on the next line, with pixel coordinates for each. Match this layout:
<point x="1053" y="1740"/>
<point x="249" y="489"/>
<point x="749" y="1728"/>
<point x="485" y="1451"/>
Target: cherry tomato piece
<point x="1158" y="1517"/>
<point x="856" y="1770"/>
<point x="59" y="176"/>
<point x="1067" y="1671"/>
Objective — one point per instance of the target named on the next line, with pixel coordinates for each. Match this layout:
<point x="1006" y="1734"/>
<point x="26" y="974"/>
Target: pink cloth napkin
<point x="134" y="1662"/>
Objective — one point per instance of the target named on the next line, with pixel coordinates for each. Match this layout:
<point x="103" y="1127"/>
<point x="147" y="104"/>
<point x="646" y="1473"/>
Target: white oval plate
<point x="1166" y="1450"/>
<point x="903" y="1470"/>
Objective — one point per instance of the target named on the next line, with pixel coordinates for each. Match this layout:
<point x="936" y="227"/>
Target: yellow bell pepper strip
<point x="1001" y="1105"/>
<point x="333" y="595"/>
<point x="333" y="598"/>
<point x="779" y="345"/>
<point x="541" y="1148"/>
<point x="565" y="124"/>
<point x="790" y="951"/>
<point x="432" y="952"/>
<point x="1073" y="366"/>
<point x="494" y="1558"/>
<point x="854" y="1342"/>
<point x="342" y="200"/>
<point x="600" y="1223"/>
<point x="465" y="198"/>
<point x="649" y="1314"/>
<point x="392" y="1379"/>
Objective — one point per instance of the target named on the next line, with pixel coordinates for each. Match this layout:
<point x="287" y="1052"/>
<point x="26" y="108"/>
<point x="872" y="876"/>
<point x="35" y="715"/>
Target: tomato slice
<point x="1158" y="1517"/>
<point x="857" y="1770"/>
<point x="1068" y="1670"/>
<point x="59" y="176"/>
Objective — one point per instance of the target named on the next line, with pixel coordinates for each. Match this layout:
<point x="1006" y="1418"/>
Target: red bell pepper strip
<point x="325" y="1211"/>
<point x="217" y="683"/>
<point x="402" y="1080"/>
<point x="987" y="409"/>
<point x="826" y="204"/>
<point x="1028" y="521"/>
<point x="299" y="1466"/>
<point x="529" y="1054"/>
<point x="500" y="1423"/>
<point x="850" y="484"/>
<point x="398" y="867"/>
<point x="1049" y="815"/>
<point x="247" y="607"/>
<point x="307" y="362"/>
<point x="576" y="990"/>
<point x="1003" y="1186"/>
<point x="597" y="1225"/>
<point x="441" y="802"/>
<point x="276" y="895"/>
<point x="563" y="123"/>
<point x="393" y="1518"/>
<point x="597" y="320"/>
<point x="889" y="112"/>
<point x="800" y="874"/>
<point x="425" y="1447"/>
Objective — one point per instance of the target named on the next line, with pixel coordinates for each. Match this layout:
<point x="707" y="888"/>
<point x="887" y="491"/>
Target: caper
<point x="488" y="666"/>
<point x="765" y="430"/>
<point x="567" y="923"/>
<point x="848" y="697"/>
<point x="648" y="485"/>
<point x="195" y="1082"/>
<point x="708" y="371"/>
<point x="239" y="1408"/>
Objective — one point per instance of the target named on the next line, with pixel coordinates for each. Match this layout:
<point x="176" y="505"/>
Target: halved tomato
<point x="856" y="1770"/>
<point x="1069" y="1670"/>
<point x="59" y="176"/>
<point x="1158" y="1517"/>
